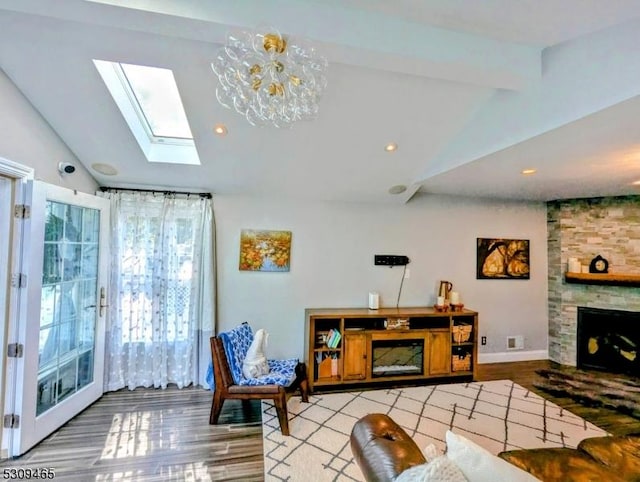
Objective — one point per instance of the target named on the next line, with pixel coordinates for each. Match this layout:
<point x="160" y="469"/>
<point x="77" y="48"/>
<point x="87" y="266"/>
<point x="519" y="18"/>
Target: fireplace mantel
<point x="610" y="279"/>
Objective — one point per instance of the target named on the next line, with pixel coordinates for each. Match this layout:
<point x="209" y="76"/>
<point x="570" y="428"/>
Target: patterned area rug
<point x="498" y="415"/>
<point x="594" y="389"/>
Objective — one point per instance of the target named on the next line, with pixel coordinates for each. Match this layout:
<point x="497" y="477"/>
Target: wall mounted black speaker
<point x="390" y="260"/>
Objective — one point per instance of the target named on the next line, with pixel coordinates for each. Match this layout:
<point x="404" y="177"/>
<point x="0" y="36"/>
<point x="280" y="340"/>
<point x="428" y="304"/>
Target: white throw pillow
<point x="430" y="452"/>
<point x="255" y="363"/>
<point x="440" y="469"/>
<point x="479" y="465"/>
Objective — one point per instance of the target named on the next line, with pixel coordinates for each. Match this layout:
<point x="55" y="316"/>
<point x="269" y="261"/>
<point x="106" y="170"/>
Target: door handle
<point x="103" y="298"/>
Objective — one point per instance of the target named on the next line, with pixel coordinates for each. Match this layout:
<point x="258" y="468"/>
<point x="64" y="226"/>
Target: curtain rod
<point x="205" y="195"/>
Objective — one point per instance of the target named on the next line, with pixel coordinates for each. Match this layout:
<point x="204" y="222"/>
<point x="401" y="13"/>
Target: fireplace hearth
<point x="609" y="340"/>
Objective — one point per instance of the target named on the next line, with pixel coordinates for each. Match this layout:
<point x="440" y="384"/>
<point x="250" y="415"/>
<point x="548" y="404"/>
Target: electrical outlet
<point x="483" y="340"/>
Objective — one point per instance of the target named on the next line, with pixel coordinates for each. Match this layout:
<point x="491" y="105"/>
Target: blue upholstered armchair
<point x="228" y="351"/>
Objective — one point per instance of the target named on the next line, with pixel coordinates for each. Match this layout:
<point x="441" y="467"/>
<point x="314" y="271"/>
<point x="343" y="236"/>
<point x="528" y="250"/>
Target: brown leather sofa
<point x="382" y="450"/>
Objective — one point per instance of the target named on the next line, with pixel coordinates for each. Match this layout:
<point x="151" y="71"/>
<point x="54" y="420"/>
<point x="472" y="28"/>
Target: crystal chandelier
<point x="269" y="79"/>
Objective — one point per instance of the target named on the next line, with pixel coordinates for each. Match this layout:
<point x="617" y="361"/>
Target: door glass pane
<point x="85" y="369"/>
<point x="69" y="300"/>
<point x="54" y="225"/>
<point x="90" y="261"/>
<point x="90" y="226"/>
<point x="51" y="269"/>
<point x="46" y="391"/>
<point x="67" y="376"/>
<point x="88" y="314"/>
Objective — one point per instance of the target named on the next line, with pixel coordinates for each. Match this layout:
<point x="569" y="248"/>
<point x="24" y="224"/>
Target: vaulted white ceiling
<point x="472" y="93"/>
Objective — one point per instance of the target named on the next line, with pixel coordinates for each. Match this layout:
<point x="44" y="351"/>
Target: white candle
<point x="440" y="301"/>
<point x="573" y="265"/>
<point x="454" y="298"/>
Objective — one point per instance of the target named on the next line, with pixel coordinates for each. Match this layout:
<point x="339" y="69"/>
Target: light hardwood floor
<point x="153" y="435"/>
<point x="160" y="435"/>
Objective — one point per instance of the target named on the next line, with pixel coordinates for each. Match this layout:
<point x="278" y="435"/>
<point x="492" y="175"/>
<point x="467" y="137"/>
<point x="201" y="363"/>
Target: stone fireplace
<point x="609" y="340"/>
<point x="584" y="228"/>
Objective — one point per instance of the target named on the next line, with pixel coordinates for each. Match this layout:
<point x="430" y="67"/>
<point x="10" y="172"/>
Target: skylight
<point x="157" y="95"/>
<point x="149" y="101"/>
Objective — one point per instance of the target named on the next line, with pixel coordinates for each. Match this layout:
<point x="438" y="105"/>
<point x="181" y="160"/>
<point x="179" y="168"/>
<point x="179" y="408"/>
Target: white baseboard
<point x="513" y="356"/>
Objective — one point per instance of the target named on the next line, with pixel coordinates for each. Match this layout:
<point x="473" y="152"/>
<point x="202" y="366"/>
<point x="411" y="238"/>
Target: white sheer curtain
<point x="162" y="292"/>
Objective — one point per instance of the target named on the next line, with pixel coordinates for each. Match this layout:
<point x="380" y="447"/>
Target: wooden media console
<point x="347" y="346"/>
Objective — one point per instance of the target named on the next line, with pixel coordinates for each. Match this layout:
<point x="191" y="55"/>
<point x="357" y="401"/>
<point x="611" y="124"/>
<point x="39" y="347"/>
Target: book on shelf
<point x="330" y="337"/>
<point x="333" y="338"/>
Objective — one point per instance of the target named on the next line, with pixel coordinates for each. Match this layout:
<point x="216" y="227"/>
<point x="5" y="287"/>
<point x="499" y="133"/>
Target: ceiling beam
<point x="581" y="77"/>
<point x="345" y="35"/>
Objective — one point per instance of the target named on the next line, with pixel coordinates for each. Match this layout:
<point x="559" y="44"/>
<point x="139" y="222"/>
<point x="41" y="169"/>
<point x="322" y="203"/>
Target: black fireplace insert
<point x="609" y="340"/>
<point x="397" y="357"/>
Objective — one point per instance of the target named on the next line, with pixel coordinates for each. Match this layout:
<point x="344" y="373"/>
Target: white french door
<point x="7" y="189"/>
<point x="62" y="324"/>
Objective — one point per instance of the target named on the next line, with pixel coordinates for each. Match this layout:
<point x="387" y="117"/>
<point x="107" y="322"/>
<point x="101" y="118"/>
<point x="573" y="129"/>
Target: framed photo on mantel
<point x="499" y="258"/>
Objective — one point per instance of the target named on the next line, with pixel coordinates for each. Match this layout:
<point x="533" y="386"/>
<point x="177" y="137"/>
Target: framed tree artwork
<point x="499" y="258"/>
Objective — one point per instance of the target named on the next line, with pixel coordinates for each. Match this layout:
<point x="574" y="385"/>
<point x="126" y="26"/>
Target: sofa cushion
<point x="620" y="454"/>
<point x="561" y="464"/>
<point x="479" y="465"/>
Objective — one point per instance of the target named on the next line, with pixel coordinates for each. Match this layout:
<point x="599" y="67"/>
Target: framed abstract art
<point x="499" y="258"/>
<point x="263" y="250"/>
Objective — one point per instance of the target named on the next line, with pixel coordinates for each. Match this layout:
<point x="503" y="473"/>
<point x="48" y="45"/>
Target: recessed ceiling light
<point x="106" y="169"/>
<point x="528" y="171"/>
<point x="398" y="189"/>
<point x="392" y="146"/>
<point x="220" y="129"/>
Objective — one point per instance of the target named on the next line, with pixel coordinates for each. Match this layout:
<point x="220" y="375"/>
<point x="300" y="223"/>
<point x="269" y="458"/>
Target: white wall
<point x="332" y="264"/>
<point x="28" y="140"/>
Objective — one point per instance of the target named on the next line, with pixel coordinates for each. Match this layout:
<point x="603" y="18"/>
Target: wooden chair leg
<point x="301" y="381"/>
<point x="281" y="408"/>
<point x="216" y="407"/>
<point x="304" y="390"/>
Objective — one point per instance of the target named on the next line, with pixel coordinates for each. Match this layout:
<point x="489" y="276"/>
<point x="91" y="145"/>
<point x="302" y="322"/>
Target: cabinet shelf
<point x="608" y="279"/>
